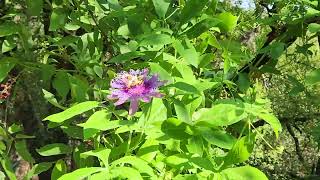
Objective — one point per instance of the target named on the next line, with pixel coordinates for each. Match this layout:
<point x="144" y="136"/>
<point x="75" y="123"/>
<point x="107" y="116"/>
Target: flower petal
<point x="133" y="106"/>
<point x="146" y="99"/>
<point x="121" y="101"/>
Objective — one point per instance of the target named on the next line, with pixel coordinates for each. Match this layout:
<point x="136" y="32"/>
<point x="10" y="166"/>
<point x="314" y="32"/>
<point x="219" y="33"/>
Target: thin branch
<point x="296" y="142"/>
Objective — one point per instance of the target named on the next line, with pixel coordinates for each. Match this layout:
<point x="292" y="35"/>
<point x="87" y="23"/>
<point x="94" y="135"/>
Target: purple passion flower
<point x="134" y="86"/>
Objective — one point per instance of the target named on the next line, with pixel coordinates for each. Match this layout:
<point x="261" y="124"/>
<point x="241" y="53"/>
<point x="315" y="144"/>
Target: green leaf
<point x="241" y="150"/>
<point x="66" y="41"/>
<point x="312" y="78"/>
<point x="51" y="99"/>
<point x="14" y="128"/>
<point x="22" y="149"/>
<point x="54" y="149"/>
<point x="314" y="27"/>
<point x="8" y="44"/>
<point x="34" y="7"/>
<point x="182" y="113"/>
<point x="122" y="58"/>
<point x="93" y="124"/>
<point x="186" y="72"/>
<point x="243" y="173"/>
<point x="8" y="28"/>
<point x="161" y="7"/>
<point x="154" y="112"/>
<point x="98" y="70"/>
<point x="223" y="114"/>
<point x="176" y="129"/>
<point x="243" y="82"/>
<point x="102" y="154"/>
<point x="273" y="121"/>
<point x="81" y="173"/>
<point x="130" y="173"/>
<point x="188" y="88"/>
<point x="73" y="131"/>
<point x="205" y="59"/>
<point x="107" y="125"/>
<point x="218" y="137"/>
<point x="2" y="176"/>
<point x="73" y="111"/>
<point x="57" y="19"/>
<point x="156" y="39"/>
<point x="6" y="64"/>
<point x="276" y="49"/>
<point x="79" y="87"/>
<point x="228" y="21"/>
<point x="38" y="168"/>
<point x="188" y="52"/>
<point x="7" y="166"/>
<point x="191" y="9"/>
<point x="201" y="27"/>
<point x="178" y="161"/>
<point x="137" y="163"/>
<point x="148" y="150"/>
<point x="59" y="169"/>
<point x="163" y="74"/>
<point x="195" y="145"/>
<point x="61" y="84"/>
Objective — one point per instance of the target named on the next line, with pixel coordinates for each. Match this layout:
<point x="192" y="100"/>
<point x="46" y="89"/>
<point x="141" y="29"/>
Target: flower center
<point x="131" y="80"/>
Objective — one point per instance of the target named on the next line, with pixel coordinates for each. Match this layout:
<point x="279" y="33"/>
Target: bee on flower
<point x="134" y="86"/>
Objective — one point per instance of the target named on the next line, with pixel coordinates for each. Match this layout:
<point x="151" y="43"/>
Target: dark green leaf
<point x="57" y="19"/>
<point x="156" y="39"/>
<point x="34" y="7"/>
<point x="191" y="9"/>
<point x="185" y="87"/>
<point x="6" y="64"/>
<point x="122" y="58"/>
<point x="54" y="149"/>
<point x="201" y="27"/>
<point x="39" y="168"/>
<point x="8" y="28"/>
<point x="22" y="149"/>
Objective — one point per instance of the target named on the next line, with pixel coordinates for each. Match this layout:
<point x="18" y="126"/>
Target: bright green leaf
<point x="73" y="111"/>
<point x="81" y="173"/>
<point x="59" y="169"/>
<point x="228" y="21"/>
<point x="243" y="173"/>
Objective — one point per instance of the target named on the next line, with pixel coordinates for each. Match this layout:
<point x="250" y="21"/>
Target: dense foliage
<point x="156" y="89"/>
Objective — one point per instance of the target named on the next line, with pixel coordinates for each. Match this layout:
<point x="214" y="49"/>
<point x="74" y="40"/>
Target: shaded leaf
<point x="54" y="149"/>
